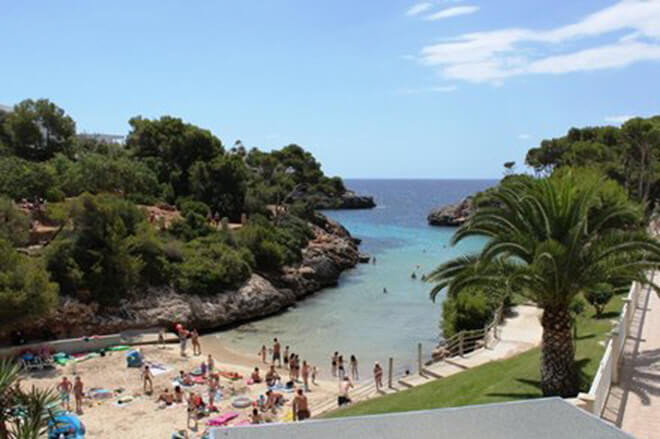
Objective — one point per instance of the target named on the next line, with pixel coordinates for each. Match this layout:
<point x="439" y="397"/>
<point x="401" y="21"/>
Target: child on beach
<point x="263" y="352"/>
<point x="286" y="356"/>
<point x="341" y="372"/>
<point x="64" y="387"/>
<point x="210" y="364"/>
<point x="78" y="394"/>
<point x="314" y="371"/>
<point x="333" y="363"/>
<point x="147" y="382"/>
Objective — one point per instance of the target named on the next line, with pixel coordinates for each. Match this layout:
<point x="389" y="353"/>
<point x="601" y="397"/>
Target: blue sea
<point x="357" y="317"/>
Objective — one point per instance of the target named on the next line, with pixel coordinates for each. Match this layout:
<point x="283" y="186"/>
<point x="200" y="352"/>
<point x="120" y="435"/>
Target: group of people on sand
<point x="338" y="370"/>
<point x="66" y="387"/>
<point x="290" y="361"/>
<point x="184" y="335"/>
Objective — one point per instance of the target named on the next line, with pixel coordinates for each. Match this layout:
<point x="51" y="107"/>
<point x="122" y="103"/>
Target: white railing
<point x="610" y="364"/>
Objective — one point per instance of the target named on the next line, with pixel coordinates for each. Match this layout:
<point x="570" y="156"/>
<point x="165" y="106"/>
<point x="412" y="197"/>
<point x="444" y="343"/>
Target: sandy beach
<point x="142" y="418"/>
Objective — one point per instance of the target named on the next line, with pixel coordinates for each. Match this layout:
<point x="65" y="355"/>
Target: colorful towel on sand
<point x="221" y="420"/>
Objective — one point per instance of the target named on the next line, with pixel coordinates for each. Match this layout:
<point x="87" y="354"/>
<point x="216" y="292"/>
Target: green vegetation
<point x="512" y="379"/>
<point x="552" y="240"/>
<point x="628" y="155"/>
<point x="23" y="414"/>
<point x="102" y="245"/>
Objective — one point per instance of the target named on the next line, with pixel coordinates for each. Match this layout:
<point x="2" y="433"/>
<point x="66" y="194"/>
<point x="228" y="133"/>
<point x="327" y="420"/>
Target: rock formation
<point x="451" y="214"/>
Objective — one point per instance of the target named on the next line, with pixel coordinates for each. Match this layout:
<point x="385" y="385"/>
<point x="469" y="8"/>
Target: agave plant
<point x="553" y="239"/>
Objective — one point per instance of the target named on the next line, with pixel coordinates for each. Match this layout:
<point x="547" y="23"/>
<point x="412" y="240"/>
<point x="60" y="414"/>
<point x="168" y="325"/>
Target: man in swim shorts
<point x="300" y="407"/>
<point x="64" y="387"/>
<point x="272" y="377"/>
<point x="276" y="353"/>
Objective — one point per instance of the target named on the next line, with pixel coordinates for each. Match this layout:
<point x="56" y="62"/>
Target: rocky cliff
<point x="330" y="252"/>
<point x="451" y="214"/>
<point x="348" y="200"/>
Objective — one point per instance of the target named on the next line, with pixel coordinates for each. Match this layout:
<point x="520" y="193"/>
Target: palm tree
<point x="552" y="239"/>
<point x="23" y="414"/>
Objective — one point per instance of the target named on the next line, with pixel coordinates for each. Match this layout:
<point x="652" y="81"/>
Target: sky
<point x="374" y="89"/>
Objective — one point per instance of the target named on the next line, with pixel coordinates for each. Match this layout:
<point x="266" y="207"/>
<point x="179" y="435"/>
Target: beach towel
<point x="118" y="348"/>
<point x="231" y="375"/>
<point x="100" y="394"/>
<point x="221" y="420"/>
<point x="158" y="369"/>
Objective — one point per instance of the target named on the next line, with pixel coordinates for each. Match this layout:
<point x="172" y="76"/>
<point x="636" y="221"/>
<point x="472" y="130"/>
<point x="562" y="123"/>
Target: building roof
<point x="539" y="419"/>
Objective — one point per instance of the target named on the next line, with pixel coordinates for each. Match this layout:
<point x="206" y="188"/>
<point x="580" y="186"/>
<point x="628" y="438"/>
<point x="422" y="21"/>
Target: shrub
<point x="26" y="291"/>
<point x="209" y="268"/>
<point x="599" y="297"/>
<point x="471" y="309"/>
<point x="14" y="224"/>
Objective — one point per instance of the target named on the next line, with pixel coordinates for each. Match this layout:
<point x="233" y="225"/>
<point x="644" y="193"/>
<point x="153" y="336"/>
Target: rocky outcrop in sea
<point x="451" y="215"/>
<point x="332" y="251"/>
<point x="348" y="200"/>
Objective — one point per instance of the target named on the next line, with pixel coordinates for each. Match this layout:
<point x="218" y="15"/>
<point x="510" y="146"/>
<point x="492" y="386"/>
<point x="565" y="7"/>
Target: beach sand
<point x="142" y="418"/>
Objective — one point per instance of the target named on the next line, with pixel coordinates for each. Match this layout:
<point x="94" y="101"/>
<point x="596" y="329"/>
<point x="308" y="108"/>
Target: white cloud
<point x="523" y="136"/>
<point x="434" y="89"/>
<point x="418" y="8"/>
<point x="495" y="55"/>
<point x="452" y="12"/>
<point x="618" y="120"/>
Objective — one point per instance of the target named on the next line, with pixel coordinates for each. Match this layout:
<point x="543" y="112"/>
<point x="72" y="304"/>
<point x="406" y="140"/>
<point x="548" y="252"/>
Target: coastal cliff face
<point x="451" y="214"/>
<point x="330" y="252"/>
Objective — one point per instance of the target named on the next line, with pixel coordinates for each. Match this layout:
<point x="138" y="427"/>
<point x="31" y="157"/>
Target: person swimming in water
<point x="384" y="290"/>
<point x="413" y="275"/>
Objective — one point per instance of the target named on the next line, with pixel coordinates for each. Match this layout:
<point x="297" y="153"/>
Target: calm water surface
<point x="356" y="317"/>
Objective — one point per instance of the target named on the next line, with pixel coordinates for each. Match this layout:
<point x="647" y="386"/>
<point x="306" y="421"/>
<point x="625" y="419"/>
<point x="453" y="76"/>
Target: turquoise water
<point x="357" y="317"/>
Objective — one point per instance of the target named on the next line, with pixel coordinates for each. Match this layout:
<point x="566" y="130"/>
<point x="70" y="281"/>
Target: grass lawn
<point x="506" y="380"/>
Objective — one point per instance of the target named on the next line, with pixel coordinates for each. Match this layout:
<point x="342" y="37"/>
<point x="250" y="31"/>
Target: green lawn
<point x="505" y="380"/>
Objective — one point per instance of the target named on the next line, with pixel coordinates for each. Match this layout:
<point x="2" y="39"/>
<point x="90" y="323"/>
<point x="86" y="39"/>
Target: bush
<point x="26" y="291"/>
<point x="155" y="268"/>
<point x="268" y="254"/>
<point x="209" y="268"/>
<point x="14" y="224"/>
<point x="197" y="207"/>
<point x="599" y="297"/>
<point x="470" y="309"/>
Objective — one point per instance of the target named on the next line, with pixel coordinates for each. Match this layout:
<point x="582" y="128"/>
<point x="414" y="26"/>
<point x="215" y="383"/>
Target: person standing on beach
<point x="183" y="338"/>
<point x="263" y="352"/>
<point x="344" y="386"/>
<point x="197" y="347"/>
<point x="276" y="353"/>
<point x="314" y="371"/>
<point x="147" y="380"/>
<point x="333" y="363"/>
<point x="64" y="387"/>
<point x="378" y="376"/>
<point x="341" y="372"/>
<point x="300" y="407"/>
<point x="286" y="356"/>
<point x="78" y="394"/>
<point x="354" y="368"/>
<point x="305" y="375"/>
<point x="213" y="389"/>
<point x="210" y="364"/>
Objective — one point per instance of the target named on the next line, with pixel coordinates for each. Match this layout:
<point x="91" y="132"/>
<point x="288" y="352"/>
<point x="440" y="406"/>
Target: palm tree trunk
<point x="558" y="373"/>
